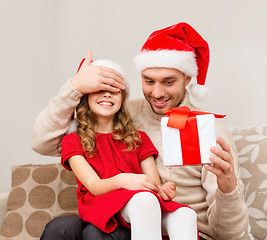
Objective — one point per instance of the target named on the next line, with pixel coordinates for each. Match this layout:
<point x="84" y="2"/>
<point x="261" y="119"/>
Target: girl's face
<point x="104" y="104"/>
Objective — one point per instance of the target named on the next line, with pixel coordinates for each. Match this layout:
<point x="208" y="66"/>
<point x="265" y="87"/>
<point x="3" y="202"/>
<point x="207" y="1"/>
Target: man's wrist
<point x="74" y="85"/>
<point x="231" y="195"/>
<point x="69" y="89"/>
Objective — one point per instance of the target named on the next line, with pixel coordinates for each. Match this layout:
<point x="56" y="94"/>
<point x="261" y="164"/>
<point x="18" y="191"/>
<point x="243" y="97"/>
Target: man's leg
<point x="64" y="228"/>
<point x="121" y="234"/>
<point x="92" y="232"/>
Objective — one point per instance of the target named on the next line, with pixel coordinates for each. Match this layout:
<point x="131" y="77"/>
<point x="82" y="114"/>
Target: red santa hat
<point x="180" y="47"/>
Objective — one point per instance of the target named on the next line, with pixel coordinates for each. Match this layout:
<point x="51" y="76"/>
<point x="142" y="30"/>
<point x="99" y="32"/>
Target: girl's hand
<point x="132" y="181"/>
<point x="167" y="191"/>
<point x="96" y="78"/>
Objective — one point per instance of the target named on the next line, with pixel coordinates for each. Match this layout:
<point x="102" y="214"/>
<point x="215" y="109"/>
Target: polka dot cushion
<point x="38" y="194"/>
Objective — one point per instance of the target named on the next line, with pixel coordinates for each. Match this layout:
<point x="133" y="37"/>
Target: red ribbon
<point x="184" y="119"/>
<point x="179" y="115"/>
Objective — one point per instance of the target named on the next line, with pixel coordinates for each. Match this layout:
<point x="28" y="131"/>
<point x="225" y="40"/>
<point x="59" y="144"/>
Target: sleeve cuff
<point x="71" y="91"/>
<point x="232" y="195"/>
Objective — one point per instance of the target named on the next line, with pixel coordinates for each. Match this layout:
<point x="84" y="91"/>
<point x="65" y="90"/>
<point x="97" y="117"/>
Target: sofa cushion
<point x="251" y="144"/>
<point x="38" y="194"/>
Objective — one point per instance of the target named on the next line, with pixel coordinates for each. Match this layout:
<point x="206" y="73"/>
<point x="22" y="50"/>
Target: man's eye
<point x="149" y="82"/>
<point x="169" y="82"/>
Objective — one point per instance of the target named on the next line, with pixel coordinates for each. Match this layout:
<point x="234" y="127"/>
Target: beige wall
<point x="42" y="42"/>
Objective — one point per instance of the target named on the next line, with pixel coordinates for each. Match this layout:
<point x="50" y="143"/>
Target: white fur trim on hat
<point x="109" y="64"/>
<point x="183" y="61"/>
<point x="114" y="66"/>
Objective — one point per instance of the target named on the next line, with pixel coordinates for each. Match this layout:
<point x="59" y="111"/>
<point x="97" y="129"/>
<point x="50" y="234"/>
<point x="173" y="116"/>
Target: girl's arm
<point x="89" y="178"/>
<point x="97" y="186"/>
<point x="149" y="168"/>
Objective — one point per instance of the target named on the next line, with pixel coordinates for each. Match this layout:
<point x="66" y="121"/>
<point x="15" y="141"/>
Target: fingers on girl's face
<point x="111" y="74"/>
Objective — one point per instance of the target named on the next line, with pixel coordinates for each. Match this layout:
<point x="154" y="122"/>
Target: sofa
<point x="41" y="192"/>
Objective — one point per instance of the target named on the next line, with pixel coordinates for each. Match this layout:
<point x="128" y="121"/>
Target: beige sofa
<point x="42" y="192"/>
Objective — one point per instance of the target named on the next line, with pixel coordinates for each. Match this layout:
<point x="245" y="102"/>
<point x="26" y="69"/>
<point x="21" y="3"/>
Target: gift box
<point x="187" y="136"/>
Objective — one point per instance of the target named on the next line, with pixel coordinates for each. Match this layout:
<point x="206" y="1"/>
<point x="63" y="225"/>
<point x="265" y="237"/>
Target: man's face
<point x="164" y="88"/>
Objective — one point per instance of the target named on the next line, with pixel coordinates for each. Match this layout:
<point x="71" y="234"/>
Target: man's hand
<point x="96" y="78"/>
<point x="223" y="166"/>
<point x="132" y="181"/>
<point x="167" y="191"/>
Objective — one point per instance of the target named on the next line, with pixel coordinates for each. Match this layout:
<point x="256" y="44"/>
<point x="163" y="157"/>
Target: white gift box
<point x="188" y="145"/>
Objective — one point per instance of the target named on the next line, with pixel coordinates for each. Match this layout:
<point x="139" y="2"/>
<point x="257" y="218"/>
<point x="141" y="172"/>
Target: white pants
<point x="144" y="215"/>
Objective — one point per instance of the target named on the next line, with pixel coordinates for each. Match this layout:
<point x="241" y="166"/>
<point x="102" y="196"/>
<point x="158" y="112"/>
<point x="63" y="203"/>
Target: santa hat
<point x="180" y="47"/>
<point x="114" y="66"/>
<point x="109" y="64"/>
<point x="105" y="63"/>
<point x="100" y="62"/>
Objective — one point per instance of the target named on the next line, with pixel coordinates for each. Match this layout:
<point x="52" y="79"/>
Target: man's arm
<point x="53" y="122"/>
<point x="227" y="212"/>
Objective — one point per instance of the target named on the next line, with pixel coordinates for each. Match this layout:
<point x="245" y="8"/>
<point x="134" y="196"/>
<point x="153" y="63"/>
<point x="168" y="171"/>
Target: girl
<point x="117" y="178"/>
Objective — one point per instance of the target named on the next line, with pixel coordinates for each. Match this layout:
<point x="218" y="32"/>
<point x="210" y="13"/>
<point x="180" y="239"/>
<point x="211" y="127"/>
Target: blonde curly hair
<point x="122" y="124"/>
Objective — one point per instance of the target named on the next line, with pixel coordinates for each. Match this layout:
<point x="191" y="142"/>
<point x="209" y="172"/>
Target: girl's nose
<point x="107" y="94"/>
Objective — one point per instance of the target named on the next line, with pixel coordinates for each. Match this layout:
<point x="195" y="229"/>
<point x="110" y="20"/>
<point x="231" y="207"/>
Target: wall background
<point x="43" y="41"/>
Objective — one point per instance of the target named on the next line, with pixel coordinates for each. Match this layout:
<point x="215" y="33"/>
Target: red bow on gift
<point x="179" y="115"/>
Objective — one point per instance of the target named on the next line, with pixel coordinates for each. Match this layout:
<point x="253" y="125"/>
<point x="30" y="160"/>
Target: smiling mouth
<point x="106" y="103"/>
<point x="160" y="103"/>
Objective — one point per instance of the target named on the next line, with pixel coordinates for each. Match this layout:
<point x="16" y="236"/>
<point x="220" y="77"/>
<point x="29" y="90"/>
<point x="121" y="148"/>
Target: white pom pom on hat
<point x="73" y="126"/>
<point x="199" y="92"/>
<point x="180" y="47"/>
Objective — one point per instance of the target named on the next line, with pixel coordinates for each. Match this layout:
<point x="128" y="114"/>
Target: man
<point x="168" y="60"/>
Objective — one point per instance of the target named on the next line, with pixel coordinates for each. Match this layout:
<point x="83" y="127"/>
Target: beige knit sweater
<point x="220" y="216"/>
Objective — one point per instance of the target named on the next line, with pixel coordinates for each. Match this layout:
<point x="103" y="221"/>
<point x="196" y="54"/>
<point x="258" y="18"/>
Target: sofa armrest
<point x="3" y="205"/>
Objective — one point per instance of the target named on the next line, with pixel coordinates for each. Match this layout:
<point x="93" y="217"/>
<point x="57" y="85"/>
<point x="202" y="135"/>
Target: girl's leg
<point x="181" y="224"/>
<point x="143" y="213"/>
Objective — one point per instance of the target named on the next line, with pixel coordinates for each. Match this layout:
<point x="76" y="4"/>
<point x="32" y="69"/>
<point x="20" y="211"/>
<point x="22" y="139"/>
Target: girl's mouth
<point x="106" y="103"/>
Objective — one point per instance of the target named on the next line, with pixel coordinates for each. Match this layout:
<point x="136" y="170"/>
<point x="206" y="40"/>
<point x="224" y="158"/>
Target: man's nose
<point x="158" y="91"/>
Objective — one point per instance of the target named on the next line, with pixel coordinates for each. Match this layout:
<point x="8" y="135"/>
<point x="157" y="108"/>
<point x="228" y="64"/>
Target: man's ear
<point x="187" y="80"/>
